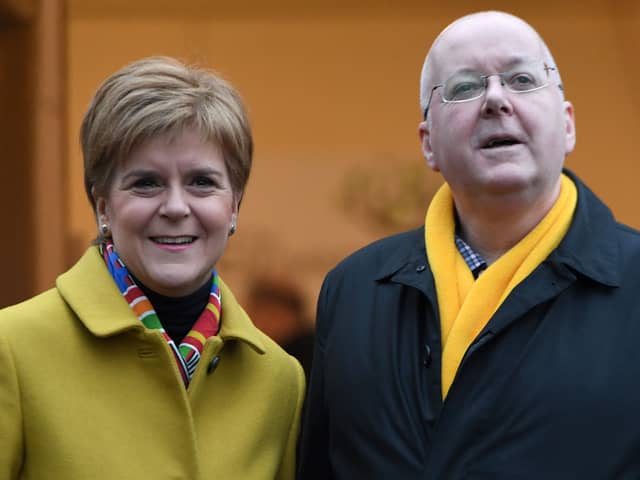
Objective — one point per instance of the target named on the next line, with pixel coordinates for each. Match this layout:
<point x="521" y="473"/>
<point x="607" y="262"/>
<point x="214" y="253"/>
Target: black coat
<point x="550" y="389"/>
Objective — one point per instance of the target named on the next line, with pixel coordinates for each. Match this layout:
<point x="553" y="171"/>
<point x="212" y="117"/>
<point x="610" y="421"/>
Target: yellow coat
<point x="87" y="393"/>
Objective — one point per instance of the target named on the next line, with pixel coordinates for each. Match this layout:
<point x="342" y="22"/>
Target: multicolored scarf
<point x="187" y="355"/>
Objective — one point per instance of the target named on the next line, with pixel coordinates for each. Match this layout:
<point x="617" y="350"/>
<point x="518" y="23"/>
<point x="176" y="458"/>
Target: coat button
<point x="421" y="268"/>
<point x="213" y="364"/>
<point x="427" y="356"/>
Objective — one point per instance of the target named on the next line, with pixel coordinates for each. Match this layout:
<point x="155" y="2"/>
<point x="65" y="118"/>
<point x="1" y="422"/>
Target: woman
<point x="140" y="364"/>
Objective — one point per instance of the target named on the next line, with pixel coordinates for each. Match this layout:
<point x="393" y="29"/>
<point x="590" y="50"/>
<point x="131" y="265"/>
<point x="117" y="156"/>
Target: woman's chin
<point x="174" y="284"/>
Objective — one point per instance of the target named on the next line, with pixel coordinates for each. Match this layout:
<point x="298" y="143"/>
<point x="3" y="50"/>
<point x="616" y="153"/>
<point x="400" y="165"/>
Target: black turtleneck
<point x="178" y="314"/>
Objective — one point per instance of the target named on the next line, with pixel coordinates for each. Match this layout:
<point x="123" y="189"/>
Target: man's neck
<point x="493" y="228"/>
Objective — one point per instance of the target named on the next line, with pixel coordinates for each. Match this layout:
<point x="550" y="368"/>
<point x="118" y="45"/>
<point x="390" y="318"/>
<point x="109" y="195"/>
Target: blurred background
<point x="332" y="92"/>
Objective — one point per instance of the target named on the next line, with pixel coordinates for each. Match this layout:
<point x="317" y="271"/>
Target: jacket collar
<point x="92" y="294"/>
<point x="408" y="264"/>
<point x="589" y="248"/>
<point x="412" y="252"/>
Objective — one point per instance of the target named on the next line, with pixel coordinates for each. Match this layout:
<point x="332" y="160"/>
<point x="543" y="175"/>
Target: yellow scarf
<point x="465" y="305"/>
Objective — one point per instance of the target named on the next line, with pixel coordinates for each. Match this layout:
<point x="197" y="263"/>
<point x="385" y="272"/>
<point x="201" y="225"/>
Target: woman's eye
<point x="201" y="181"/>
<point x="145" y="184"/>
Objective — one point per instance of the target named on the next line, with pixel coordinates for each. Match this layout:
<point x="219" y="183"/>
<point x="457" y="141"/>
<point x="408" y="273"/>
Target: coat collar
<point x="408" y="264"/>
<point x="411" y="253"/>
<point x="92" y="294"/>
<point x="589" y="248"/>
<point x="236" y="324"/>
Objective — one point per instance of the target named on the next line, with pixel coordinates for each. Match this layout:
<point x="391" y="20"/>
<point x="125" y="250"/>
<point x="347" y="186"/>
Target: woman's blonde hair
<point x="160" y="95"/>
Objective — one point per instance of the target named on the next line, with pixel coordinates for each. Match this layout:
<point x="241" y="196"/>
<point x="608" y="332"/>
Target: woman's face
<point x="170" y="208"/>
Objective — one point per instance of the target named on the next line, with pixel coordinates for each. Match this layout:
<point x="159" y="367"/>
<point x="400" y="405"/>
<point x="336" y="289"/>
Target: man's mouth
<point x="183" y="240"/>
<point x="500" y="142"/>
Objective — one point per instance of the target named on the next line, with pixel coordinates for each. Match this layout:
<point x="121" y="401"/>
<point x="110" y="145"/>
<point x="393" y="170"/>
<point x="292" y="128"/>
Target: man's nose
<point x="497" y="99"/>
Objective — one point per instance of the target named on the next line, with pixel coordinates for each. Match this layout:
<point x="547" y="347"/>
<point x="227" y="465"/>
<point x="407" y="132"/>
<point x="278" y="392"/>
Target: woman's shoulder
<point x="32" y="314"/>
<point x="42" y="314"/>
<point x="285" y="371"/>
<point x="273" y="350"/>
<point x="268" y="359"/>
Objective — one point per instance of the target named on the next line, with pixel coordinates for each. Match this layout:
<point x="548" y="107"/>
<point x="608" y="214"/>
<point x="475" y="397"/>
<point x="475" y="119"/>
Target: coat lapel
<point x="594" y="256"/>
<point x="409" y="266"/>
<point x="94" y="297"/>
<point x="236" y="324"/>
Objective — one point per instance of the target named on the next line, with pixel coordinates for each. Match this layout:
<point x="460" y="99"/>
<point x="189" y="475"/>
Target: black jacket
<point x="550" y="389"/>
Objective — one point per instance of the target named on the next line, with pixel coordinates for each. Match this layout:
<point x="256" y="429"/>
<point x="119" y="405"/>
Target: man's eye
<point x="521" y="81"/>
<point x="464" y="90"/>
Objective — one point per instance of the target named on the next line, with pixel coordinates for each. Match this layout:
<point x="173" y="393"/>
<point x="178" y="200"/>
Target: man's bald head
<point x="433" y="63"/>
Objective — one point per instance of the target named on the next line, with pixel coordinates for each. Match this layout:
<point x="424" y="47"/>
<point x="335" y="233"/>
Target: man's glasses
<point x="467" y="85"/>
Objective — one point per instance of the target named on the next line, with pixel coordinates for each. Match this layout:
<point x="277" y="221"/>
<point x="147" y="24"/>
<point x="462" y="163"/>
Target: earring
<point x="232" y="229"/>
<point x="104" y="229"/>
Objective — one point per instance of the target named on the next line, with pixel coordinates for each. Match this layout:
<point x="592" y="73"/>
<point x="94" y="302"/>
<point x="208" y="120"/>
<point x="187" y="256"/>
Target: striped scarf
<point x="187" y="355"/>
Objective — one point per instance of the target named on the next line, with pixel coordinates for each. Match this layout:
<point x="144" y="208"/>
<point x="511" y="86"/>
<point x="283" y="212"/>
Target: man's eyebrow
<point x="518" y="60"/>
<point x="512" y="61"/>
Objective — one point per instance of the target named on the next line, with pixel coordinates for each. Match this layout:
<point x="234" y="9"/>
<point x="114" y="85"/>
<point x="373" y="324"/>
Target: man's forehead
<point x="489" y="39"/>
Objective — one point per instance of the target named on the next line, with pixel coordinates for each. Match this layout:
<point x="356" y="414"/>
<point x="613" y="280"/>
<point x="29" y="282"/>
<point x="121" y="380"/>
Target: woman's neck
<point x="178" y="314"/>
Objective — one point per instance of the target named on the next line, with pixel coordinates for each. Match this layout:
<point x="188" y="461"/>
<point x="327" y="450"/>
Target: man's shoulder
<point x="628" y="241"/>
<point x="348" y="289"/>
<point x="371" y="258"/>
<point x="629" y="233"/>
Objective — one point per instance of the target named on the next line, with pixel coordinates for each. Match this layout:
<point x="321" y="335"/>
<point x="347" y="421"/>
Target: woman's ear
<point x="100" y="203"/>
<point x="102" y="217"/>
<point x="102" y="210"/>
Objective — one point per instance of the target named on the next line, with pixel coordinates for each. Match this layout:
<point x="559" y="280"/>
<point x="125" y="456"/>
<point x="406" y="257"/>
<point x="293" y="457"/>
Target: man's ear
<point x="424" y="131"/>
<point x="570" y="127"/>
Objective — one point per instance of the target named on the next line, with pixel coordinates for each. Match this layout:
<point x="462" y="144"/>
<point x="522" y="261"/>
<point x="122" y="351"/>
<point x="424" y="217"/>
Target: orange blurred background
<point x="332" y="92"/>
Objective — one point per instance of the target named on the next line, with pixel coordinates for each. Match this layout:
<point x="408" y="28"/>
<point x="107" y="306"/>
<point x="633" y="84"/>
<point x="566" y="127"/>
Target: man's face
<point x="503" y="144"/>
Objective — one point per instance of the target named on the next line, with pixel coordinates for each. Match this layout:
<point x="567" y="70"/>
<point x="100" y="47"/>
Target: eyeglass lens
<point x="467" y="85"/>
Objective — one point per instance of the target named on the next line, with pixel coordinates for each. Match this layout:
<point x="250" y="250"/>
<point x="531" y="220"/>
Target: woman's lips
<point x="174" y="243"/>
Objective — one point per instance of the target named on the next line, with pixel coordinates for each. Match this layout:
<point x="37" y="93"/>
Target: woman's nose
<point x="175" y="204"/>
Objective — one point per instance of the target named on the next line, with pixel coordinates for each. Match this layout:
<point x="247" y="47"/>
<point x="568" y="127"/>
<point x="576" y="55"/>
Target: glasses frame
<point x="485" y="78"/>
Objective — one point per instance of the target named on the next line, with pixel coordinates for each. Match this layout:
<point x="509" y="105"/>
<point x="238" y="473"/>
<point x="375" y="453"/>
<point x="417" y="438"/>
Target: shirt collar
<point x="476" y="262"/>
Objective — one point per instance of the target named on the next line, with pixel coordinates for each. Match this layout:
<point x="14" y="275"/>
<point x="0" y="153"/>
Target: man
<point x="500" y="341"/>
